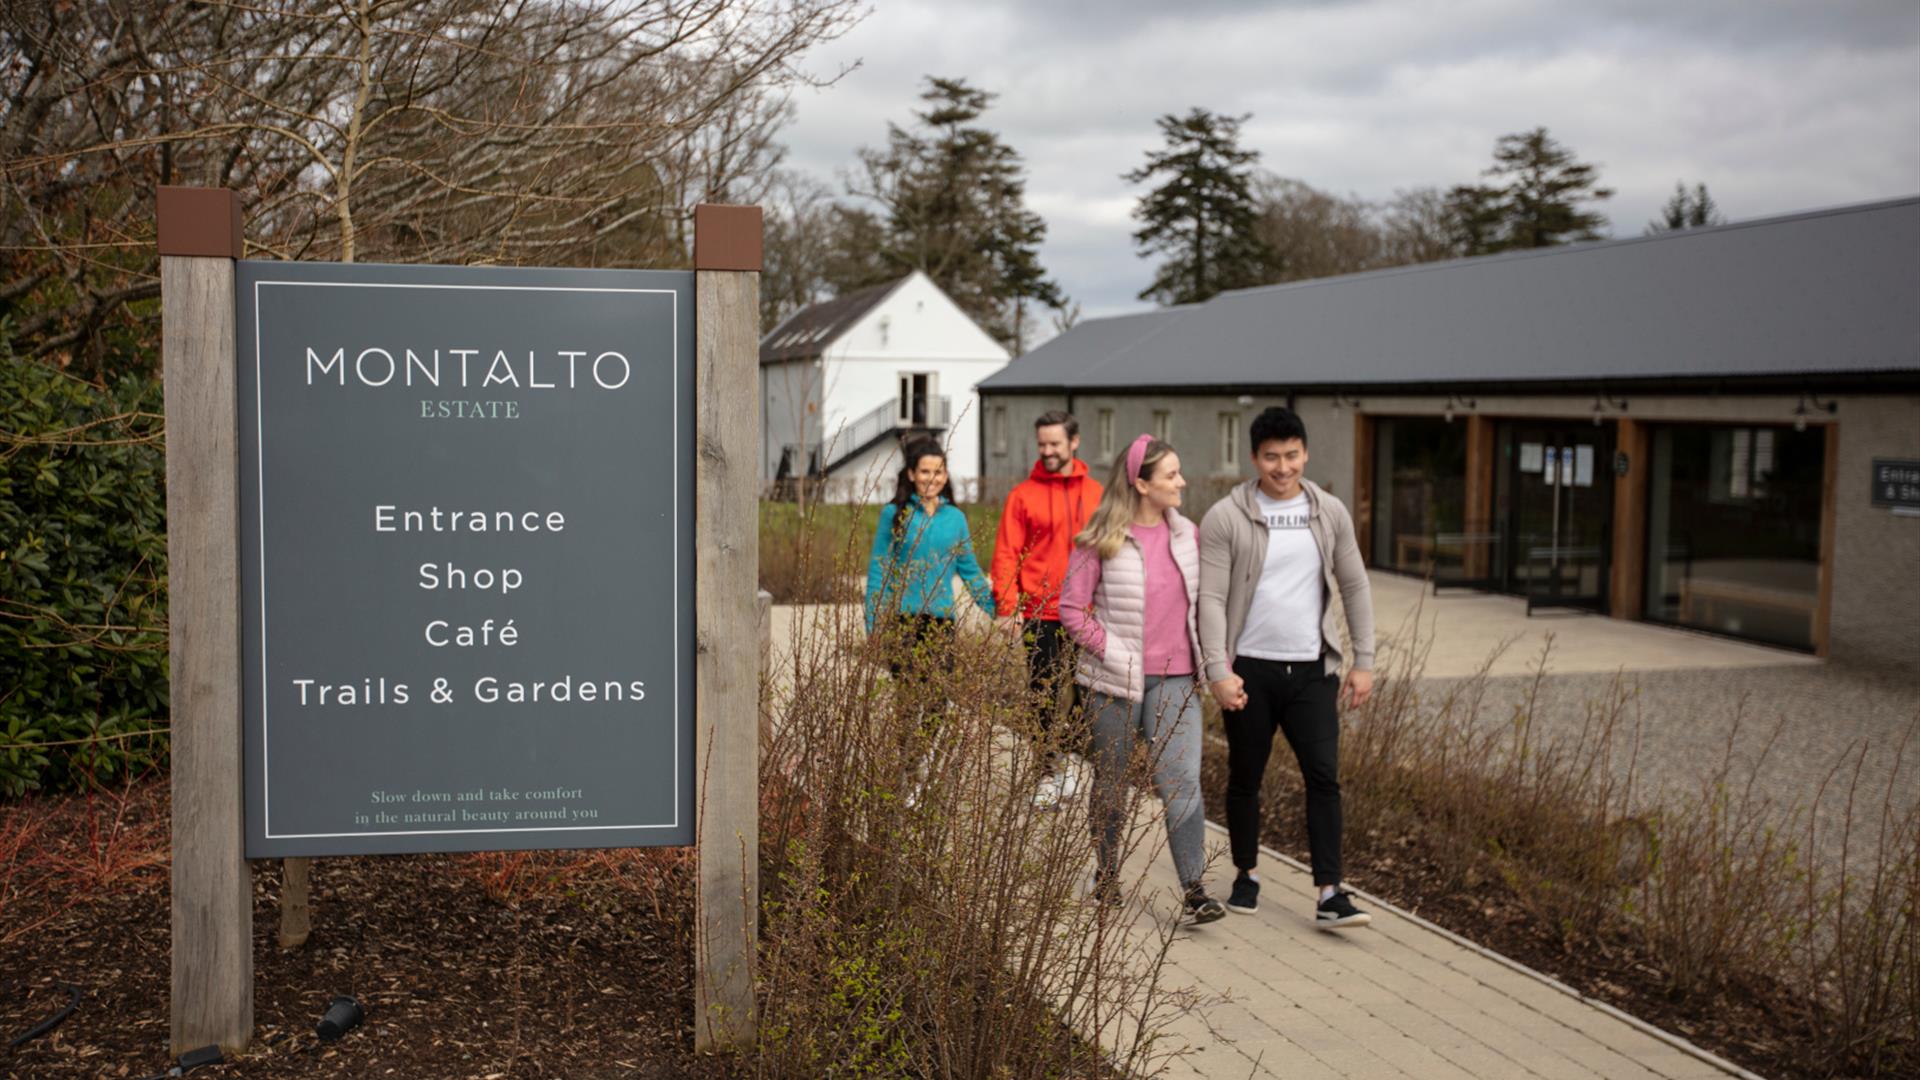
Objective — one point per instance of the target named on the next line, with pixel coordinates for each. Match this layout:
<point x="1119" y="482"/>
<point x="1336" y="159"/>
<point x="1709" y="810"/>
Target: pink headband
<point x="1136" y="454"/>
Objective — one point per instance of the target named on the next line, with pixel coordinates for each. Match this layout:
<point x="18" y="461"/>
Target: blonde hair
<point x="1107" y="527"/>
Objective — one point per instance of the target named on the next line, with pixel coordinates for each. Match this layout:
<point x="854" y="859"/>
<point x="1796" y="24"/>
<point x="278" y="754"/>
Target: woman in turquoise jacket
<point x="922" y="541"/>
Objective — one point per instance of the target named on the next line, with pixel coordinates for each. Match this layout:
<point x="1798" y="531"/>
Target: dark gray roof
<point x="1828" y="291"/>
<point x="808" y="332"/>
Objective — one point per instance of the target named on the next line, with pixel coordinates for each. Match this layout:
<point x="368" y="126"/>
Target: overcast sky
<point x="1777" y="106"/>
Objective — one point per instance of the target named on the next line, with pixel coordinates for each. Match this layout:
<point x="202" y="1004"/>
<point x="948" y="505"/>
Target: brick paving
<point x="1394" y="999"/>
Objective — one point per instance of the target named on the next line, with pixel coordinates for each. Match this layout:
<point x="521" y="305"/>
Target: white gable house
<point x="844" y="381"/>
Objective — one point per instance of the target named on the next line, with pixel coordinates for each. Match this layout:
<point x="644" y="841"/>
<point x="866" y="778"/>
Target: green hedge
<point x="83" y="549"/>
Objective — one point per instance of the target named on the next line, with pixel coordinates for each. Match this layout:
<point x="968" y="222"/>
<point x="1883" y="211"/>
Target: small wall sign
<point x="1896" y="484"/>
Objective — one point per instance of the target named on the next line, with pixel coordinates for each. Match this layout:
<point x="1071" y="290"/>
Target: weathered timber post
<point x="296" y="903"/>
<point x="212" y="1001"/>
<point x="726" y="260"/>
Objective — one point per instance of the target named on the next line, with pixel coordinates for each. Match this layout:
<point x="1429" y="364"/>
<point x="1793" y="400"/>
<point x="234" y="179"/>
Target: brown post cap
<point x="199" y="221"/>
<point x="726" y="237"/>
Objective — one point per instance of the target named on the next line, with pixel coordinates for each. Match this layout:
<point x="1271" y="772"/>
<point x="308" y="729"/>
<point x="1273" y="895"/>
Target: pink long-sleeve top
<point x="1167" y="650"/>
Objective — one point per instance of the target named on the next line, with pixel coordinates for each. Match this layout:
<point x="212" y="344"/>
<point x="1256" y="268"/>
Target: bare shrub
<point x="1730" y="894"/>
<point x="653" y="878"/>
<point x="1860" y="960"/>
<point x="1719" y="901"/>
<point x="921" y="916"/>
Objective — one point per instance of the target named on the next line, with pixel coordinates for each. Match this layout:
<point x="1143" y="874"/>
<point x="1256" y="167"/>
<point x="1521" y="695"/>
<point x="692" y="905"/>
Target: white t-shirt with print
<point x="1283" y="623"/>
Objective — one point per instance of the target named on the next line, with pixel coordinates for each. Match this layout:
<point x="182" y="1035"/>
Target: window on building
<point x="1229" y="450"/>
<point x="999" y="429"/>
<point x="1733" y="530"/>
<point x="1742" y="459"/>
<point x="1419" y="491"/>
<point x="1106" y="433"/>
<point x="1163" y="425"/>
<point x="916" y="405"/>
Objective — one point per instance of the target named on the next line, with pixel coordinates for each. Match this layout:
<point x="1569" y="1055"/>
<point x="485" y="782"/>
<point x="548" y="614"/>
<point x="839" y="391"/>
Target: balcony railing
<point x="924" y="414"/>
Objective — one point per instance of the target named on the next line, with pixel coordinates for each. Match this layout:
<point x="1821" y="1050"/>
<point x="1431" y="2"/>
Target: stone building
<point x="1715" y="428"/>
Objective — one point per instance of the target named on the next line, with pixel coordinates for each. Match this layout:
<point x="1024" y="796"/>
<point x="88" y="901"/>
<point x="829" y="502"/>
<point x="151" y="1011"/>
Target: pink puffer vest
<point x="1119" y="602"/>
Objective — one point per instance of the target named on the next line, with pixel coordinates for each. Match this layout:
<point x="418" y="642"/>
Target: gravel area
<point x="1817" y="716"/>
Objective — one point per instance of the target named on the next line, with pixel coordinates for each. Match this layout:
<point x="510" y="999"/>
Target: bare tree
<point x="1417" y="226"/>
<point x="453" y="131"/>
<point x="800" y="241"/>
<point x="1314" y="234"/>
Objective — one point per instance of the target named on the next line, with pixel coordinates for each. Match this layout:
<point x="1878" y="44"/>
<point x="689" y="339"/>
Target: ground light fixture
<point x="343" y="1015"/>
<point x="1800" y="410"/>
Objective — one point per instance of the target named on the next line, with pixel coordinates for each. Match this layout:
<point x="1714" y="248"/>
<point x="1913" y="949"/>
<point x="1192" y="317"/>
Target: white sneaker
<point x="1048" y="794"/>
<point x="1069" y="783"/>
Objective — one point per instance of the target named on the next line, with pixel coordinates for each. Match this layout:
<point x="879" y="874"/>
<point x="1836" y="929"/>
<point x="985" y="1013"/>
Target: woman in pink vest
<point x="1128" y="602"/>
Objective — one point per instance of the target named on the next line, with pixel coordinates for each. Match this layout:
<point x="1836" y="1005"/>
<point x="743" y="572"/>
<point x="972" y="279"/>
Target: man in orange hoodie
<point x="1037" y="526"/>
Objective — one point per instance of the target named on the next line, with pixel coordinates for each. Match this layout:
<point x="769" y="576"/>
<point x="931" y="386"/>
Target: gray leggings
<point x="1168" y="718"/>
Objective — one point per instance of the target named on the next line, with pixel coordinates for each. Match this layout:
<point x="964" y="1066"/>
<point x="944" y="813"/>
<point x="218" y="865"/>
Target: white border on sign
<point x="260" y="479"/>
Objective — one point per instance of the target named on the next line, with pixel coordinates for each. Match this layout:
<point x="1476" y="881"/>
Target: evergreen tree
<point x="1476" y="219"/>
<point x="1687" y="210"/>
<point x="954" y="196"/>
<point x="1540" y="189"/>
<point x="1203" y="215"/>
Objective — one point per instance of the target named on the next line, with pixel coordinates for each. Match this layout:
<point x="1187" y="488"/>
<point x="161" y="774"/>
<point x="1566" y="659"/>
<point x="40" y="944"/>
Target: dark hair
<point x="1055" y="416"/>
<point x="1276" y="422"/>
<point x="903" y="489"/>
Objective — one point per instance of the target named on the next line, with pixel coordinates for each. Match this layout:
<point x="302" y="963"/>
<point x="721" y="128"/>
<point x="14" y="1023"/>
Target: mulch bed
<point x="583" y="981"/>
<point x="1745" y="1028"/>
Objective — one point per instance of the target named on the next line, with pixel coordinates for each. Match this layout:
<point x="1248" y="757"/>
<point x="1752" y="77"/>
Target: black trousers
<point x="1301" y="701"/>
<point x="921" y="647"/>
<point x="1049" y="665"/>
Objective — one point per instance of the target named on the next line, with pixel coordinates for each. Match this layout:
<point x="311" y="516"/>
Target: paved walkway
<point x="1397" y="999"/>
<point x="1394" y="999"/>
<point x="1460" y="630"/>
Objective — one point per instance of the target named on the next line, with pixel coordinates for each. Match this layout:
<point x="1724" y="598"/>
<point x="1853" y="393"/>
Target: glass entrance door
<point x="1555" y="503"/>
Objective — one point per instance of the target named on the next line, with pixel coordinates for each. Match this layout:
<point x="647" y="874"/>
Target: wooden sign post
<point x="726" y="260"/>
<point x="199" y="239"/>
<point x="650" y="761"/>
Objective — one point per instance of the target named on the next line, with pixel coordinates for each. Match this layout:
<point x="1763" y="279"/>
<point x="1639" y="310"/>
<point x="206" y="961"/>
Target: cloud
<point x="1776" y="105"/>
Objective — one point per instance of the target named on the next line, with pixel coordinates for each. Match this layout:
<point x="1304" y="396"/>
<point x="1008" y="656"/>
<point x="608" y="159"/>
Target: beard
<point x="1054" y="462"/>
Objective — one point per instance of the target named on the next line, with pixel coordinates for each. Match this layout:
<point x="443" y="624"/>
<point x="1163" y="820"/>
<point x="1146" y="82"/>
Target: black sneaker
<point x="1245" y="897"/>
<point x="1106" y="891"/>
<point x="1203" y="908"/>
<point x="1337" y="912"/>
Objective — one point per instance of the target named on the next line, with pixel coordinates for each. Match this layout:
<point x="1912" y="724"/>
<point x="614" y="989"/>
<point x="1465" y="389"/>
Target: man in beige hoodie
<point x="1272" y="554"/>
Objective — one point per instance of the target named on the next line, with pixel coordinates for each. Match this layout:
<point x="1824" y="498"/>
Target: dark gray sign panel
<point x="467" y="557"/>
<point x="1896" y="483"/>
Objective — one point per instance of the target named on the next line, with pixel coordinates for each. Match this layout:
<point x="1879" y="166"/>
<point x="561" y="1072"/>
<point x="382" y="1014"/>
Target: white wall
<point x="785" y="392"/>
<point x="917" y="328"/>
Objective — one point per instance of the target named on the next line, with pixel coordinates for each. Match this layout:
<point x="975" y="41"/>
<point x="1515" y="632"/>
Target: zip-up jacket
<point x="913" y="571"/>
<point x="1108" y="621"/>
<point x="1233" y="554"/>
<point x="1043" y="514"/>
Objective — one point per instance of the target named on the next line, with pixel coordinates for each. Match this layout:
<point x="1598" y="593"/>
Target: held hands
<point x="1358" y="689"/>
<point x="1009" y="625"/>
<point x="1230" y="693"/>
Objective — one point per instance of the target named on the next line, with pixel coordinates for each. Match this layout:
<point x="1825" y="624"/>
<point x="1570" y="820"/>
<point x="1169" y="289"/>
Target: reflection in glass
<point x="1420" y="480"/>
<point x="1733" y="536"/>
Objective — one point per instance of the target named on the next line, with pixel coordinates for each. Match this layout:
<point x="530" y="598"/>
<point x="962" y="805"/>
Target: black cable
<point x="51" y="1022"/>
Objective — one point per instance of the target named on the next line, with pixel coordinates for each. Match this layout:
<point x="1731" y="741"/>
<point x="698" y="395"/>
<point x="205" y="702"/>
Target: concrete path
<point x="1395" y="999"/>
<point x="1461" y="629"/>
